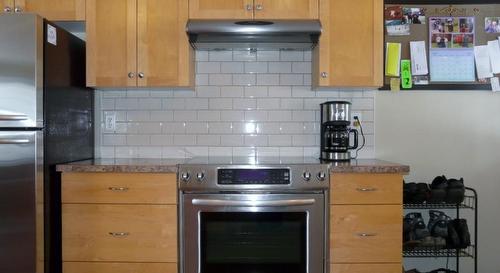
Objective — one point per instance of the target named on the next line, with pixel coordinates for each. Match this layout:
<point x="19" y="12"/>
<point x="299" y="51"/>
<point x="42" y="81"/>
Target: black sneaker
<point x="453" y="239"/>
<point x="422" y="193"/>
<point x="455" y="192"/>
<point x="438" y="223"/>
<point x="438" y="189"/>
<point x="409" y="191"/>
<point x="463" y="232"/>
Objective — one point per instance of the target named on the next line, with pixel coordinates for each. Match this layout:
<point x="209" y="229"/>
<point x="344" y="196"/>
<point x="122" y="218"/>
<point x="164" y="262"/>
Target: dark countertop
<point x="170" y="165"/>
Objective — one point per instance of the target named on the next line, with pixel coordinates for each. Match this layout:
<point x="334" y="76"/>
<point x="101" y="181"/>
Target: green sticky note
<point x="406" y="81"/>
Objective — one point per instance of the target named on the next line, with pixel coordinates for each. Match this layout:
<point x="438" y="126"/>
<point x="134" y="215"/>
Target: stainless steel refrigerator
<point x="46" y="117"/>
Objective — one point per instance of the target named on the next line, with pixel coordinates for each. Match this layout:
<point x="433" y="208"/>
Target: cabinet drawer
<point x="119" y="188"/>
<point x="87" y="267"/>
<point x="366" y="234"/>
<point x="119" y="233"/>
<point x="366" y="189"/>
<point x="365" y="268"/>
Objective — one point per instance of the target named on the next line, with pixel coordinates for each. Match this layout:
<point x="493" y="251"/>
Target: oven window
<point x="253" y="242"/>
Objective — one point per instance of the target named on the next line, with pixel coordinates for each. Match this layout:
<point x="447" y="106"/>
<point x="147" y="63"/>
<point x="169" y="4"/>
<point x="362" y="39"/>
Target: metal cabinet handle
<point x="14" y="141"/>
<point x="141" y="75"/>
<point x="18" y="9"/>
<point x="363" y="234"/>
<point x="119" y="234"/>
<point x="259" y="7"/>
<point x="119" y="189"/>
<point x="249" y="7"/>
<point x="366" y="189"/>
<point x="13" y="117"/>
<point x="324" y="75"/>
<point x="131" y="75"/>
<point x="7" y="9"/>
<point x="234" y="203"/>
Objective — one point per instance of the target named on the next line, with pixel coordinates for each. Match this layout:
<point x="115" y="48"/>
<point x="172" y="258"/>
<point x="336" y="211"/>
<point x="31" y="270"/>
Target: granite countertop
<point x="170" y="165"/>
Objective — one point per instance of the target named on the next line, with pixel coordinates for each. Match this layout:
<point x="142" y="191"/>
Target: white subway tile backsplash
<point x="245" y="103"/>
<point x="220" y="79"/>
<point x="232" y="67"/>
<point x="220" y="55"/>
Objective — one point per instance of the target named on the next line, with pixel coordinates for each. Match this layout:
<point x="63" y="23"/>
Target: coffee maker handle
<point x="355" y="132"/>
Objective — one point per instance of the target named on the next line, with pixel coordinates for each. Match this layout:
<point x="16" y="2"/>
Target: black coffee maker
<point x="335" y="131"/>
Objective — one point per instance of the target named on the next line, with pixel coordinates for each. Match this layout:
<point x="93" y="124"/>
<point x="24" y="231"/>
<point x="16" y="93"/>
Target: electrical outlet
<point x="353" y="121"/>
<point x="110" y="121"/>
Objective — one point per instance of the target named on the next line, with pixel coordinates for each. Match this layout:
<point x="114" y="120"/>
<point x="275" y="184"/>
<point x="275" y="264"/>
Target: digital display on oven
<point x="253" y="176"/>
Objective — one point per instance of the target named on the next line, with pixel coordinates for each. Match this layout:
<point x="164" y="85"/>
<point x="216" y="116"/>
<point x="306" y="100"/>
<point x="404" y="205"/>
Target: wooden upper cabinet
<point x="286" y="9"/>
<point x="111" y="43"/>
<point x="6" y="6"/>
<point x="350" y="52"/>
<point x="221" y="9"/>
<point x="55" y="10"/>
<point x="165" y="57"/>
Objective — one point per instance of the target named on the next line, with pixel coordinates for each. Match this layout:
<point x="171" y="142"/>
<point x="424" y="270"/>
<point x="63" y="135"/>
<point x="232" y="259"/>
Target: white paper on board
<point x="494" y="52"/>
<point x="418" y="58"/>
<point x="51" y="35"/>
<point x="483" y="65"/>
<point x="495" y="84"/>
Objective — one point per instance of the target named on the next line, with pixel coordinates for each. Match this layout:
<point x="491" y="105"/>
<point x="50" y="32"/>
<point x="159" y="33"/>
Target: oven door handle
<point x="253" y="203"/>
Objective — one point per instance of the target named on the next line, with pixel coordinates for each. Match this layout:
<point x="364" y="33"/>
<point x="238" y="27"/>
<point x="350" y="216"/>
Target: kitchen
<point x="157" y="111"/>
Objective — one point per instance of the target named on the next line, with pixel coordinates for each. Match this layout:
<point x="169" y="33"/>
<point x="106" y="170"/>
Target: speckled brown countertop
<point x="170" y="165"/>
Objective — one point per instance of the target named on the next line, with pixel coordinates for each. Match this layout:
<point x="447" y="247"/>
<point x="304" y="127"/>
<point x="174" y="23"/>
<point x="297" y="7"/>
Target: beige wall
<point x="455" y="133"/>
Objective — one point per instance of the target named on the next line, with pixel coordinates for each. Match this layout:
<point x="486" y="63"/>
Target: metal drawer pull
<point x="14" y="141"/>
<point x="366" y="189"/>
<point x="119" y="234"/>
<point x="233" y="203"/>
<point x="366" y="234"/>
<point x="13" y="117"/>
<point x="121" y="189"/>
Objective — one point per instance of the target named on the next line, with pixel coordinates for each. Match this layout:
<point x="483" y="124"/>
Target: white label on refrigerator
<point x="51" y="35"/>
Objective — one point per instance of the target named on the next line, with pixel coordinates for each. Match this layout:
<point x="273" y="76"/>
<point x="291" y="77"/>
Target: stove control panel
<point x="199" y="177"/>
<point x="253" y="176"/>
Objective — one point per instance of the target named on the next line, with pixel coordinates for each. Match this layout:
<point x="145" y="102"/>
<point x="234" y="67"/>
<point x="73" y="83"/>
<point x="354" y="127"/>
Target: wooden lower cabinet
<point x="365" y="268"/>
<point x="119" y="233"/>
<point x="89" y="267"/>
<point x="370" y="189"/>
<point x="366" y="233"/>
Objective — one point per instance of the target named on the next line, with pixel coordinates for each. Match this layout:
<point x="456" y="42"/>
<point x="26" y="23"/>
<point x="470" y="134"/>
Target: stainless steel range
<point x="253" y="215"/>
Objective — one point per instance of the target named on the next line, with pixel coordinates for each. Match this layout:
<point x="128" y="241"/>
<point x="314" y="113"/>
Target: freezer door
<point x="21" y="202"/>
<point x="21" y="70"/>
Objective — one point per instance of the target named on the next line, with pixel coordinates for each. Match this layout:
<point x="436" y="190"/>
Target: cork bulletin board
<point x="480" y="10"/>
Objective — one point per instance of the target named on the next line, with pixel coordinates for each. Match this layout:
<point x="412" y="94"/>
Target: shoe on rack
<point x="409" y="191"/>
<point x="422" y="193"/>
<point x="438" y="189"/>
<point x="438" y="223"/>
<point x="463" y="232"/>
<point x="415" y="232"/>
<point x="453" y="239"/>
<point x="455" y="192"/>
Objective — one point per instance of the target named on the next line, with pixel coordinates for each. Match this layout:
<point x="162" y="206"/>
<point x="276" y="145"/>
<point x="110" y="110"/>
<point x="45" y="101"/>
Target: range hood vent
<point x="245" y="35"/>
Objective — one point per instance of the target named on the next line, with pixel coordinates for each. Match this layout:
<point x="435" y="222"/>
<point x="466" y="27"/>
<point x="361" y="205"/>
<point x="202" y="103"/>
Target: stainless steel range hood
<point x="264" y="35"/>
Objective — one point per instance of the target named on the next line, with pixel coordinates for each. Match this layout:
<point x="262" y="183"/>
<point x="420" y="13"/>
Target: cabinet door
<point x="111" y="43"/>
<point x="351" y="46"/>
<point x="165" y="57"/>
<point x="221" y="9"/>
<point x="55" y="10"/>
<point x="365" y="268"/>
<point x="286" y="9"/>
<point x="119" y="233"/>
<point x="366" y="233"/>
<point x="6" y="6"/>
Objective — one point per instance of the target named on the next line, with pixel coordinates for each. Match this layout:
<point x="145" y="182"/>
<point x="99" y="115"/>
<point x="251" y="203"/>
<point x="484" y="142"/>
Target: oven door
<point x="253" y="233"/>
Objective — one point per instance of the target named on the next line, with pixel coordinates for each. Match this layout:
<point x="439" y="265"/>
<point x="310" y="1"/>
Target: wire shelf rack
<point x="468" y="203"/>
<point x="437" y="253"/>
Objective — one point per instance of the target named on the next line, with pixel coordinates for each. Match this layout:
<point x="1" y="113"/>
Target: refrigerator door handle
<point x="14" y="141"/>
<point x="13" y="117"/>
